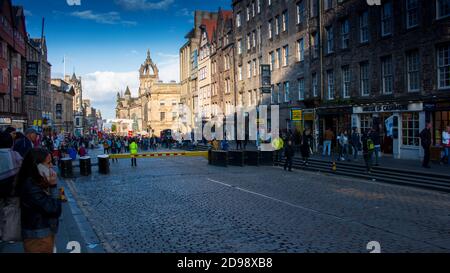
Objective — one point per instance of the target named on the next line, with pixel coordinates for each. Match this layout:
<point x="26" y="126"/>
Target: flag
<point x="389" y="122"/>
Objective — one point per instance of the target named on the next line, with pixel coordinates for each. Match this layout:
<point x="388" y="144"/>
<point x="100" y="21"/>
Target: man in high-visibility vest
<point x="133" y="151"/>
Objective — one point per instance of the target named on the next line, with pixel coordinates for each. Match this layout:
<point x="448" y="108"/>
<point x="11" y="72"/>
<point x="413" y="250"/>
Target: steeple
<point x="128" y="92"/>
<point x="148" y="54"/>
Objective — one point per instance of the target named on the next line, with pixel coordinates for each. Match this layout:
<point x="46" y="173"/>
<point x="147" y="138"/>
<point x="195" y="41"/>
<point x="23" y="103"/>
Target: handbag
<point x="12" y="229"/>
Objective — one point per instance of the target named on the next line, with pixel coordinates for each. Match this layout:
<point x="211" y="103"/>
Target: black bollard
<point x="85" y="166"/>
<point x="66" y="167"/>
<point x="103" y="164"/>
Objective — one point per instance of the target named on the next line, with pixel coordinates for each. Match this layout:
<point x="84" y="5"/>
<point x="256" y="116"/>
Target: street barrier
<point x="236" y="158"/>
<point x="251" y="158"/>
<point x="163" y="154"/>
<point x="219" y="158"/>
<point x="66" y="168"/>
<point x="85" y="166"/>
<point x="103" y="164"/>
<point x="266" y="158"/>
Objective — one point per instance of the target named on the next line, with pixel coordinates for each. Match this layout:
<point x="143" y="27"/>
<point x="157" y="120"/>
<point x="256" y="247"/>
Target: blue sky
<point x="105" y="41"/>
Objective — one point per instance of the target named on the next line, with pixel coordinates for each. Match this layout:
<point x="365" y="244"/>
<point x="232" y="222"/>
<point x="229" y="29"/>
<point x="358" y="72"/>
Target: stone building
<point x="343" y="64"/>
<point x="39" y="106"/>
<point x="189" y="54"/>
<point x="155" y="109"/>
<point x="12" y="66"/>
<point x="63" y="106"/>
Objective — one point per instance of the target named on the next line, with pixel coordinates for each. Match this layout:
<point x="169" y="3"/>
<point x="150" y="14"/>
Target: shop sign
<point x="5" y="121"/>
<point x="31" y="80"/>
<point x="296" y="115"/>
<point x="381" y="108"/>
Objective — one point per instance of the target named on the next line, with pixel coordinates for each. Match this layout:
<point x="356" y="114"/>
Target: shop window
<point x="441" y="121"/>
<point x="366" y="122"/>
<point x="410" y="129"/>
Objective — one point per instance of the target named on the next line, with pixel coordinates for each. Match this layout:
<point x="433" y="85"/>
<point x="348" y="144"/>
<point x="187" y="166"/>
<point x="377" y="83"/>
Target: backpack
<point x="370" y="145"/>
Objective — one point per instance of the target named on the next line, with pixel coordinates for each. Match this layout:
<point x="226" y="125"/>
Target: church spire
<point x="148" y="54"/>
<point x="128" y="92"/>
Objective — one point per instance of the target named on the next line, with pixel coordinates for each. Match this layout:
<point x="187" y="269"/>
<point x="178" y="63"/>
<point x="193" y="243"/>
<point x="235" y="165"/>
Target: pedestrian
<point x="375" y="136"/>
<point x="367" y="148"/>
<point x="82" y="151"/>
<point x="113" y="150"/>
<point x="305" y="147"/>
<point x="355" y="142"/>
<point x="23" y="145"/>
<point x="289" y="153"/>
<point x="9" y="167"/>
<point x="105" y="147"/>
<point x="446" y="145"/>
<point x="126" y="145"/>
<point x="238" y="144"/>
<point x="40" y="202"/>
<point x="425" y="138"/>
<point x="11" y="130"/>
<point x="133" y="152"/>
<point x="343" y="145"/>
<point x="327" y="140"/>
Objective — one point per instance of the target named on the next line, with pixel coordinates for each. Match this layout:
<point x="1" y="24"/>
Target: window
<point x="279" y="92"/>
<point x="248" y="13"/>
<point x="315" y="85"/>
<point x="202" y="74"/>
<point x="364" y="27"/>
<point x="258" y="4"/>
<point x="301" y="89"/>
<point x="286" y="92"/>
<point x="270" y="25"/>
<point x="249" y="41"/>
<point x="269" y="2"/>
<point x="272" y="60"/>
<point x="259" y="38"/>
<point x="300" y="11"/>
<point x="238" y="19"/>
<point x="386" y="19"/>
<point x="410" y="129"/>
<point x="240" y="46"/>
<point x="387" y="75"/>
<point x="301" y="50"/>
<point x="162" y="116"/>
<point x="240" y="72"/>
<point x="286" y="55"/>
<point x="277" y="25"/>
<point x="314" y="7"/>
<point x="174" y="103"/>
<point x="273" y="95"/>
<point x="330" y="84"/>
<point x="285" y="21"/>
<point x="413" y="73"/>
<point x="254" y="38"/>
<point x="366" y="122"/>
<point x="328" y="4"/>
<point x="364" y="78"/>
<point x="249" y="69"/>
<point x="330" y="38"/>
<point x="162" y="103"/>
<point x="345" y="34"/>
<point x="254" y="68"/>
<point x="174" y="116"/>
<point x="278" y="58"/>
<point x="315" y="45"/>
<point x="253" y="9"/>
<point x="412" y="13"/>
<point x="346" y="78"/>
<point x="442" y="8"/>
<point x="444" y="67"/>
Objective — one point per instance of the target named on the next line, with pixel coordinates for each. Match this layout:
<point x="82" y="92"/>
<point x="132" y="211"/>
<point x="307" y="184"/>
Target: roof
<point x="227" y="14"/>
<point x="209" y="25"/>
<point x="128" y="92"/>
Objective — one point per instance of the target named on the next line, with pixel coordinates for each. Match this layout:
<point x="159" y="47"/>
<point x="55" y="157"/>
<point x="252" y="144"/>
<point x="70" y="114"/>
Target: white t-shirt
<point x="445" y="138"/>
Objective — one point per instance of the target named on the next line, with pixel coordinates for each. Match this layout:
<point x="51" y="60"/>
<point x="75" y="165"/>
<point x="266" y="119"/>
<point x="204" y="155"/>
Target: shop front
<point x="335" y="118"/>
<point x="398" y="124"/>
<point x="19" y="124"/>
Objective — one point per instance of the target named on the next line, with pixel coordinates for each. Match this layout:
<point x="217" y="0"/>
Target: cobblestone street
<point x="184" y="205"/>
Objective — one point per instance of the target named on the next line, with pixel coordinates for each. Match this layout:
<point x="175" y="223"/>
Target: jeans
<point x="343" y="151"/>
<point x="446" y="155"/>
<point x="377" y="153"/>
<point x="327" y="145"/>
<point x="355" y="151"/>
<point x="426" y="156"/>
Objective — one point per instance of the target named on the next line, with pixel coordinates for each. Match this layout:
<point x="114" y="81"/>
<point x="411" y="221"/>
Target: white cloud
<point x="101" y="88"/>
<point x="144" y="4"/>
<point x="111" y="18"/>
<point x="169" y="67"/>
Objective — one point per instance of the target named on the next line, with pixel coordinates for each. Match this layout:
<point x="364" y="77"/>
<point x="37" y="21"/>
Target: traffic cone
<point x="62" y="195"/>
<point x="334" y="167"/>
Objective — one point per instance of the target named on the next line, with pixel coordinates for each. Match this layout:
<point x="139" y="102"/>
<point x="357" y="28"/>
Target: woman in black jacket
<point x="40" y="203"/>
<point x="306" y="146"/>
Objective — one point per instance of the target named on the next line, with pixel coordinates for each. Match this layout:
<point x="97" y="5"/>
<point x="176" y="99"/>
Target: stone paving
<point x="183" y="205"/>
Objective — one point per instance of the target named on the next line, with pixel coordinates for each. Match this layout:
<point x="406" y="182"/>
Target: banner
<point x="31" y="78"/>
<point x="389" y="122"/>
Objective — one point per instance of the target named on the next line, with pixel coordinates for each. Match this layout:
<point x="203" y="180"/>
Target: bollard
<point x="66" y="167"/>
<point x="252" y="158"/>
<point x="219" y="158"/>
<point x="210" y="162"/>
<point x="266" y="158"/>
<point x="236" y="158"/>
<point x="103" y="164"/>
<point x="85" y="166"/>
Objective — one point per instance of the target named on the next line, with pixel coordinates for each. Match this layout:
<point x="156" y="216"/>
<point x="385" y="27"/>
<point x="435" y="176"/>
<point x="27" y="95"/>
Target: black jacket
<point x="425" y="138"/>
<point x="289" y="151"/>
<point x="40" y="208"/>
